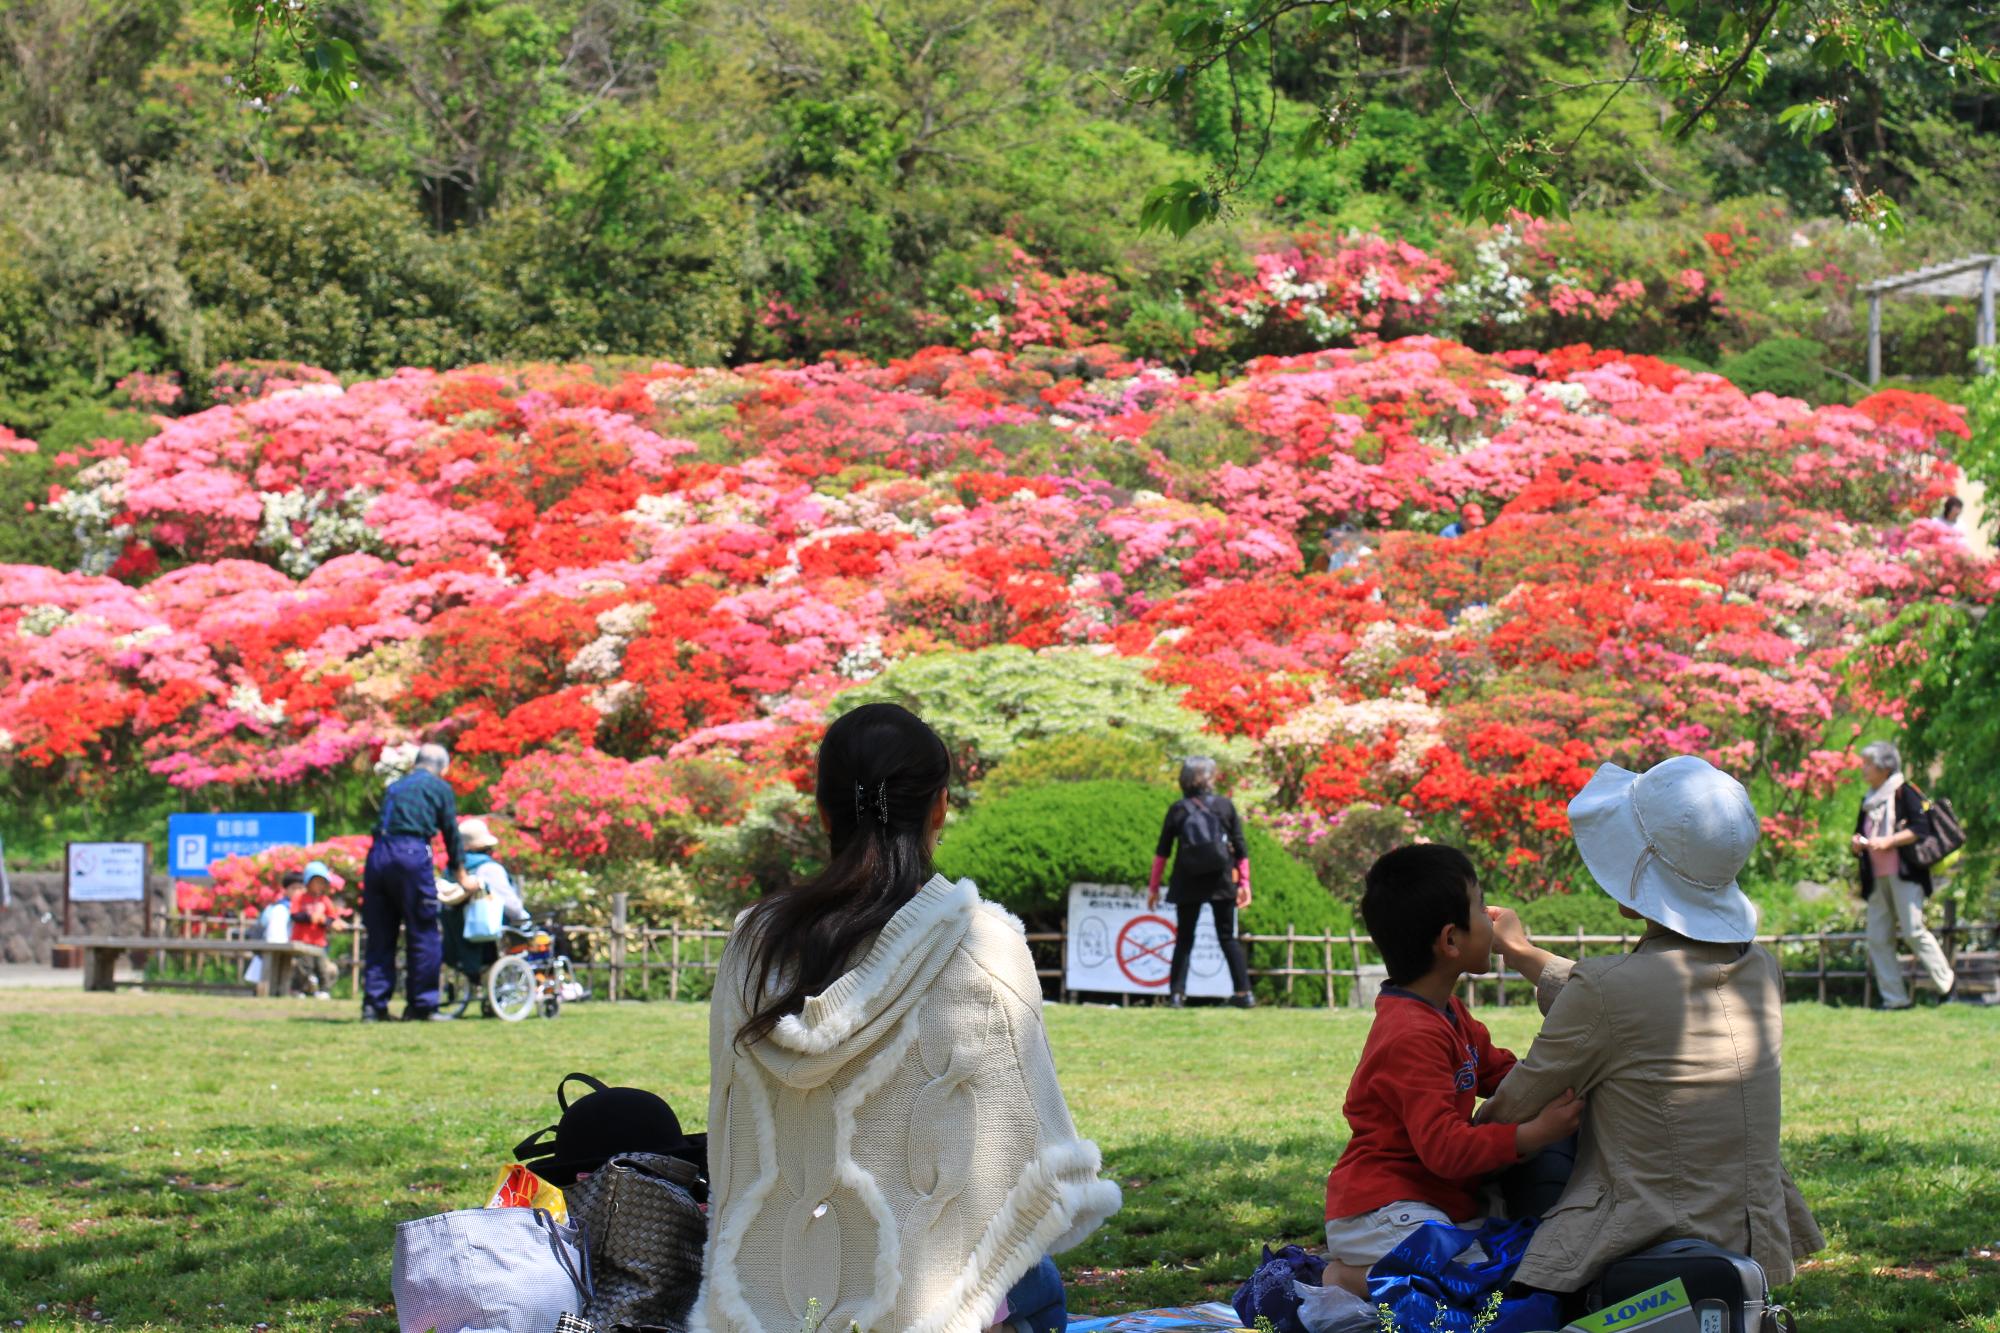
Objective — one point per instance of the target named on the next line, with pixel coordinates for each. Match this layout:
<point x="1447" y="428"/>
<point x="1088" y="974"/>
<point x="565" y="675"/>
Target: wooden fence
<point x="629" y="960"/>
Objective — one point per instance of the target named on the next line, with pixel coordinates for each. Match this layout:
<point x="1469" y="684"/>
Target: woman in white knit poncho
<point x="888" y="1146"/>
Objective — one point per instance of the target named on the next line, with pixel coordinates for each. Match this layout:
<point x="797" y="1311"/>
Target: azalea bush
<point x="1401" y="588"/>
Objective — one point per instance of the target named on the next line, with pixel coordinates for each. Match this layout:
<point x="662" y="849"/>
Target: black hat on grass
<point x="602" y="1124"/>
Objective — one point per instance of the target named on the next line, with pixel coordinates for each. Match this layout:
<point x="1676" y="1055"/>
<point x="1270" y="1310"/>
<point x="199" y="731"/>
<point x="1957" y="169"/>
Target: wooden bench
<point x="100" y="956"/>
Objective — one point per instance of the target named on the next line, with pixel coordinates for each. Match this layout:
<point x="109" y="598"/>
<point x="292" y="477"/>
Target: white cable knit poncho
<point x="899" y="1150"/>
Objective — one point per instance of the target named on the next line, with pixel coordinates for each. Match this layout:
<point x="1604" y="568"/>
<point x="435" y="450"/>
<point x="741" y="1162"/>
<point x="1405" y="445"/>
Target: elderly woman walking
<point x="1212" y="867"/>
<point x="1894" y="815"/>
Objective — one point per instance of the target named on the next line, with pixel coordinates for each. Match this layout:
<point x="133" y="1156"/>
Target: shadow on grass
<point x="279" y="1235"/>
<point x="274" y="1235"/>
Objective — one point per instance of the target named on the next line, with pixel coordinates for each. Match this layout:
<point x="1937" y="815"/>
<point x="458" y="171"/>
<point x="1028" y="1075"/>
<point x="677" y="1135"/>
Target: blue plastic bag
<point x="482" y="919"/>
<point x="1424" y="1287"/>
<point x="1270" y="1292"/>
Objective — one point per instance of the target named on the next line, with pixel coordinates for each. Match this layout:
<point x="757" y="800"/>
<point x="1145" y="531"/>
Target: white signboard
<point x="1114" y="944"/>
<point x="107" y="872"/>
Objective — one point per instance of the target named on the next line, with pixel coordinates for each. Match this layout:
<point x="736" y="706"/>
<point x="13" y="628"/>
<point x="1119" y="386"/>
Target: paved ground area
<point x="39" y="976"/>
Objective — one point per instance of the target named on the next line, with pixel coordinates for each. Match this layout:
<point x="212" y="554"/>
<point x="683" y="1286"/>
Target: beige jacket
<point x="898" y="1152"/>
<point x="1676" y="1045"/>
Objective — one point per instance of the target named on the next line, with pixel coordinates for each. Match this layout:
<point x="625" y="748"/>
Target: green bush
<point x="1026" y="848"/>
<point x="1585" y="907"/>
<point x="1081" y="757"/>
<point x="1789" y="367"/>
<point x="987" y="704"/>
<point x="320" y="268"/>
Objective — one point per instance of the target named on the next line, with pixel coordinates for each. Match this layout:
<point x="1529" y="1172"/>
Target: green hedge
<point x="1025" y="848"/>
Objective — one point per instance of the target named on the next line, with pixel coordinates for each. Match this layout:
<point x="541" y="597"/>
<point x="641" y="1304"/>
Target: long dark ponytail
<point x="880" y="771"/>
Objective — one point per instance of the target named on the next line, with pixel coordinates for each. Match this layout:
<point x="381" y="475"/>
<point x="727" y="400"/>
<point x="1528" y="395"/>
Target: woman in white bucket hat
<point x="1676" y="1045"/>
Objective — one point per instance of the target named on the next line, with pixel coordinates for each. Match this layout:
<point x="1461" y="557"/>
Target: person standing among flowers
<point x="1212" y="869"/>
<point x="399" y="888"/>
<point x="888" y="1145"/>
<point x="1893" y="816"/>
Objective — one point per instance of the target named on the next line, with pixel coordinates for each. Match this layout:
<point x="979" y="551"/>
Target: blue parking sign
<point x="197" y="842"/>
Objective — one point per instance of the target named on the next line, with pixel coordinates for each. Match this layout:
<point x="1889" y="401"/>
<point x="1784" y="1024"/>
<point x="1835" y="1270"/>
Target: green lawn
<point x="195" y="1162"/>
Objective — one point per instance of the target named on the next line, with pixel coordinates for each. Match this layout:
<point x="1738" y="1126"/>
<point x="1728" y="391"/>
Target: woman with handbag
<point x="1211" y="869"/>
<point x="888" y="1144"/>
<point x="1894" y="816"/>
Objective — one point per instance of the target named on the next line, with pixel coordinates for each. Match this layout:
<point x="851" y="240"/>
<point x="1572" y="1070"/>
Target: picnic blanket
<point x="1213" y="1315"/>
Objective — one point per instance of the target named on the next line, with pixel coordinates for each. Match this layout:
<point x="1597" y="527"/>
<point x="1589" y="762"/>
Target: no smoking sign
<point x="1146" y="950"/>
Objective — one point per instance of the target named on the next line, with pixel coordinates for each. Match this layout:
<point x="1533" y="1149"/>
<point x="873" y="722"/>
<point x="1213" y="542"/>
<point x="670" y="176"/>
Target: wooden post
<point x="1291" y="962"/>
<point x="618" y="901"/>
<point x="1822" y="966"/>
<point x="645" y="963"/>
<point x="1326" y="963"/>
<point x="1874" y="339"/>
<point x="1987" y="334"/>
<point x="1354" y="952"/>
<point x="674" y="963"/>
<point x="1950" y="931"/>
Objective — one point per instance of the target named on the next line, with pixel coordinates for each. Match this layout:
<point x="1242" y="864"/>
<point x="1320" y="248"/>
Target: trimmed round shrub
<point x="990" y="702"/>
<point x="1079" y="757"/>
<point x="1788" y="367"/>
<point x="1025" y="848"/>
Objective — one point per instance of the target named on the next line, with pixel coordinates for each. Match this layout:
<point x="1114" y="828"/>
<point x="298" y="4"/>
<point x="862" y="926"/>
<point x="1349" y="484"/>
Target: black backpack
<point x="1204" y="848"/>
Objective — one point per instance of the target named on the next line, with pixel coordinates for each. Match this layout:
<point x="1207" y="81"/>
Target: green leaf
<point x="1178" y="207"/>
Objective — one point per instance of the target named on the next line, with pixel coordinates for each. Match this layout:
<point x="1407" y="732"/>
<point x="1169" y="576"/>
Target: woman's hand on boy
<point x="1511" y="938"/>
<point x="1557" y="1121"/>
<point x="1509" y="935"/>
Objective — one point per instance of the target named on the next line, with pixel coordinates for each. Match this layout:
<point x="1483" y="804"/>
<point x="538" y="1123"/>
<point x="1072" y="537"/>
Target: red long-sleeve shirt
<point x="1410" y="1104"/>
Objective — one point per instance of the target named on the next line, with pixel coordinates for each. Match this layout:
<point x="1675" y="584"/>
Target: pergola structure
<point x="1974" y="275"/>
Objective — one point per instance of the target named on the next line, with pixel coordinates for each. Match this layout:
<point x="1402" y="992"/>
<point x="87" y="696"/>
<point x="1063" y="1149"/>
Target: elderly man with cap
<point x="399" y="888"/>
<point x="1676" y="1045"/>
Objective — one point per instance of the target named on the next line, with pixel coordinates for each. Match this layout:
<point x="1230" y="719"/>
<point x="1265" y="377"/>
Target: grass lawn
<point x="200" y="1162"/>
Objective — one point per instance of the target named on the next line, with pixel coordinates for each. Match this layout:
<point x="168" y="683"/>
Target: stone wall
<point x="29" y="925"/>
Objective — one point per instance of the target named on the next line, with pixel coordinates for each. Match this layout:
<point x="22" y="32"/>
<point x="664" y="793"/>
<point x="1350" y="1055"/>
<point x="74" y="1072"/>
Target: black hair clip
<point x="881" y="803"/>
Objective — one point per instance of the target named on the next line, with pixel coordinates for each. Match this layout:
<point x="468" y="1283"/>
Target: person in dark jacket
<point x="1212" y="867"/>
<point x="399" y="888"/>
<point x="1894" y="815"/>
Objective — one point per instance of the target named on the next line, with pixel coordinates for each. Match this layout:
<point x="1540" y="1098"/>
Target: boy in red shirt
<point x="1415" y="1155"/>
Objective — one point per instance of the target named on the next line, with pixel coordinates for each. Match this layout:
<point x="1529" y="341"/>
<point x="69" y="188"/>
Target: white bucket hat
<point x="1669" y="844"/>
<point x="476" y="836"/>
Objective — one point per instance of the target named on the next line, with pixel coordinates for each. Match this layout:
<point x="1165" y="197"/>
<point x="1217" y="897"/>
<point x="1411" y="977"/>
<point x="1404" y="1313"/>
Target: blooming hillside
<point x="628" y="597"/>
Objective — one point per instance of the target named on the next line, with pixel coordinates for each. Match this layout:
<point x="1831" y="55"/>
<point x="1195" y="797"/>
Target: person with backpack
<point x="1212" y="867"/>
<point x="1894" y="883"/>
<point x="888" y="1145"/>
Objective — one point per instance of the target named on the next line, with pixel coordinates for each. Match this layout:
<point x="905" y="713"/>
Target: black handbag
<point x="1946" y="835"/>
<point x="645" y="1234"/>
<point x="1714" y="1277"/>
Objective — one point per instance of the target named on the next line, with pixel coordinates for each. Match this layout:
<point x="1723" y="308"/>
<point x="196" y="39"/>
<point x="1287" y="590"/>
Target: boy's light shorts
<point x="1361" y="1241"/>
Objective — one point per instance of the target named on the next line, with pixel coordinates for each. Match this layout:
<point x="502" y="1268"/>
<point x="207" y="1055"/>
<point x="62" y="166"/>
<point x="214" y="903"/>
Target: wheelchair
<point x="525" y="971"/>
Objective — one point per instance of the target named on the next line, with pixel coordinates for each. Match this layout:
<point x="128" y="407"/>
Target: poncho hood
<point x="844" y="1022"/>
